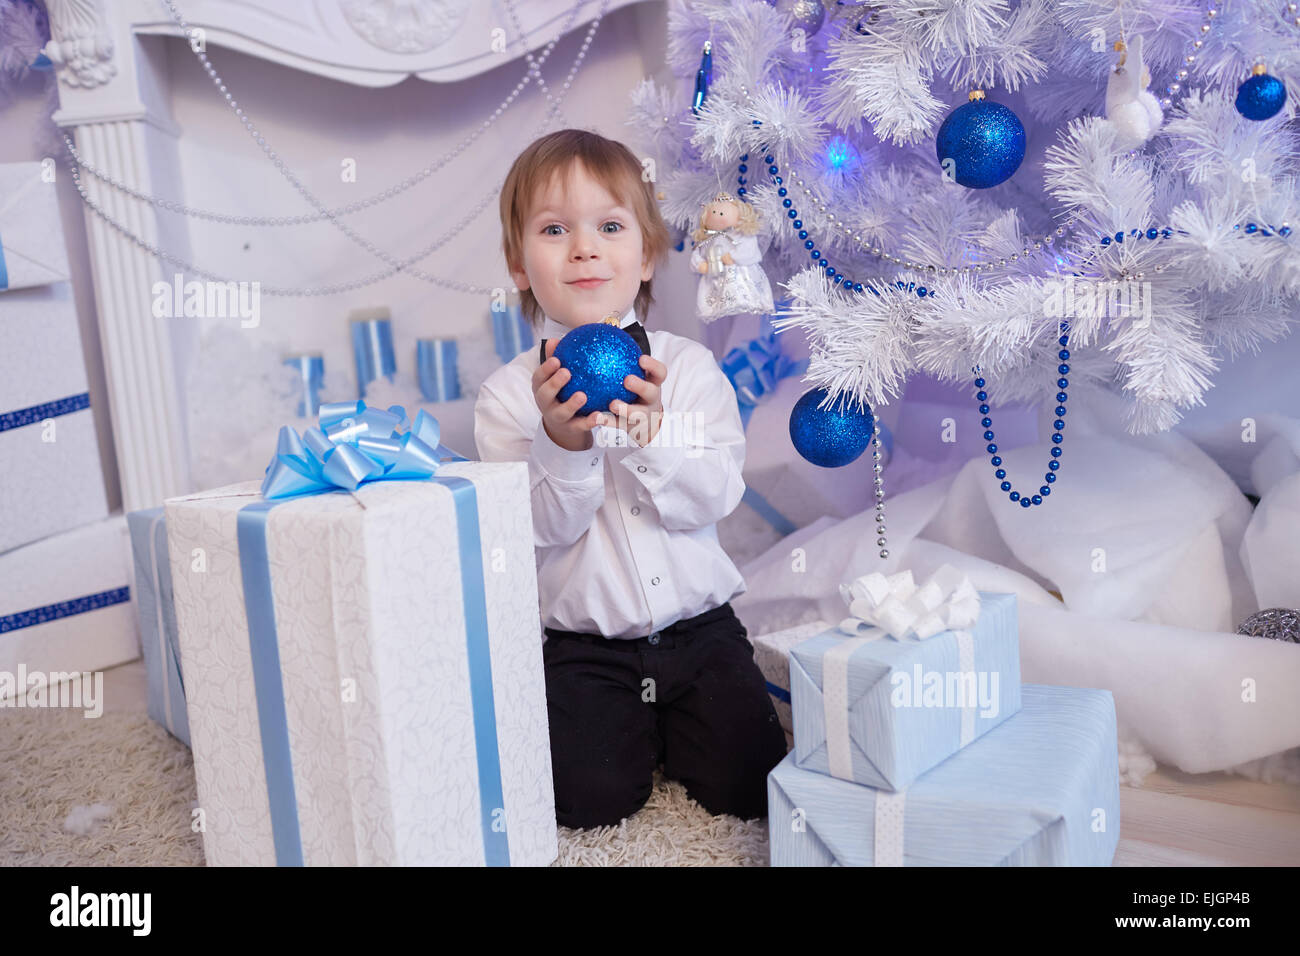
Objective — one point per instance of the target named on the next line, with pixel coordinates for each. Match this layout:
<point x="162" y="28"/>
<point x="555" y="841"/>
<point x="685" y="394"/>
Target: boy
<point x="645" y="659"/>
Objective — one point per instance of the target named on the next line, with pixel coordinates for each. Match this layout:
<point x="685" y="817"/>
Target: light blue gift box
<point x="1040" y="790"/>
<point x="893" y="726"/>
<point x="157" y="614"/>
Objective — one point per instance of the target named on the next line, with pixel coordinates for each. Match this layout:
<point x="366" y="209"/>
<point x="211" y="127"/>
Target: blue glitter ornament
<point x="830" y="437"/>
<point x="598" y="356"/>
<point x="984" y="141"/>
<point x="1261" y="96"/>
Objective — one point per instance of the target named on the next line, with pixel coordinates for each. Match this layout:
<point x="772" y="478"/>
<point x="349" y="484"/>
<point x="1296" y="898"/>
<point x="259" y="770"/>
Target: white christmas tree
<point x="1149" y="215"/>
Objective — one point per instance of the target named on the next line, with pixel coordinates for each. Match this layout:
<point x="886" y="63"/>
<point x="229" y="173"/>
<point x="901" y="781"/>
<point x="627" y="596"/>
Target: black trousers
<point x="689" y="696"/>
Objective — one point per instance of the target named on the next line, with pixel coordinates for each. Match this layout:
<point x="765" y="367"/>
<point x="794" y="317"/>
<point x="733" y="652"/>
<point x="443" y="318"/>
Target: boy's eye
<point x="614" y="222"/>
<point x="546" y="230"/>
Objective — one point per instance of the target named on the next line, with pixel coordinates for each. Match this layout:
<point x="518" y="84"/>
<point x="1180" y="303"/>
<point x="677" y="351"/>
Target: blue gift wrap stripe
<point x="272" y="720"/>
<point x="52" y="612"/>
<point x="38" y="413"/>
<point x="496" y="847"/>
<point x="4" y="269"/>
<point x="780" y="693"/>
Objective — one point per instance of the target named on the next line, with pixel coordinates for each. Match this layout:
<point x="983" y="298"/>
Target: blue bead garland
<point x="1027" y="501"/>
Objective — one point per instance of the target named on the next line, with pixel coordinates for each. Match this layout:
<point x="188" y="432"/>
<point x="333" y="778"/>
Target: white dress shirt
<point x="625" y="535"/>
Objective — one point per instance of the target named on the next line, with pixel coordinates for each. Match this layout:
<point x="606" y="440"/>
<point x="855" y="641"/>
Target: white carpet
<point x="118" y="791"/>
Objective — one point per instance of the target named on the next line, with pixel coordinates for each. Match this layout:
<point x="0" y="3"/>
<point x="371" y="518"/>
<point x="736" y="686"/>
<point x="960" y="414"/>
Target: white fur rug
<point x="118" y="791"/>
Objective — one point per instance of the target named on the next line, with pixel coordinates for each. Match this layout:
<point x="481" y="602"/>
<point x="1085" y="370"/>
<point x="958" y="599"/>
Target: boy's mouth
<point x="589" y="283"/>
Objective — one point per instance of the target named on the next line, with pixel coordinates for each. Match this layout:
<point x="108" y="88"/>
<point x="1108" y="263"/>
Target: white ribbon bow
<point x="946" y="601"/>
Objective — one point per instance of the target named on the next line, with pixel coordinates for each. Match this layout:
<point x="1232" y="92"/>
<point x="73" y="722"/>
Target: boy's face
<point x="577" y="231"/>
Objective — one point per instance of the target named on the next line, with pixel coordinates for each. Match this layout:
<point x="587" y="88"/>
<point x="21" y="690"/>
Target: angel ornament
<point x="1131" y="108"/>
<point x="727" y="257"/>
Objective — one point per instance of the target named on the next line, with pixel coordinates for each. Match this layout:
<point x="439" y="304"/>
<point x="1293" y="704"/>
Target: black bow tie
<point x="636" y="330"/>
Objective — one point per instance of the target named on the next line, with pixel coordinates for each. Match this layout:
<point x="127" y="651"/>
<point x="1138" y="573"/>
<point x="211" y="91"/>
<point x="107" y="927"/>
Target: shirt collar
<point x="552" y="329"/>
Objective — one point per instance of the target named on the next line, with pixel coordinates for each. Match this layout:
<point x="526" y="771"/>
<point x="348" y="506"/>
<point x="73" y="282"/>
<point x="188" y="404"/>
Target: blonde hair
<point x="608" y="162"/>
<point x="746" y="226"/>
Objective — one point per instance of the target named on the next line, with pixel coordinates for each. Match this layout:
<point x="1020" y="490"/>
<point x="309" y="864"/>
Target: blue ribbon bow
<point x="353" y="445"/>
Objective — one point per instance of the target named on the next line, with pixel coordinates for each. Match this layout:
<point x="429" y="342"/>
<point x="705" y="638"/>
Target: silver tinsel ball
<point x="806" y="15"/>
<point x="1278" y="623"/>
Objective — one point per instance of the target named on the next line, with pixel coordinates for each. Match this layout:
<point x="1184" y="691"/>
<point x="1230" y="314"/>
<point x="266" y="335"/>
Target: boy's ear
<point x="520" y="279"/>
<point x="647" y="269"/>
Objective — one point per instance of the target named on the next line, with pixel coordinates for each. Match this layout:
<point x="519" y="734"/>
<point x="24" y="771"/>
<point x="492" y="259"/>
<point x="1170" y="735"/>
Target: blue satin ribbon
<point x="354" y="445"/>
<point x="4" y="270"/>
<point x="311" y="369"/>
<point x="510" y="332"/>
<point x="780" y="693"/>
<point x="754" y="370"/>
<point x="435" y="362"/>
<point x="372" y="346"/>
<point x="268" y="685"/>
<point x="496" y="847"/>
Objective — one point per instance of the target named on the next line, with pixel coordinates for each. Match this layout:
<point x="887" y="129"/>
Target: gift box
<point x="772" y="655"/>
<point x="882" y="711"/>
<point x="66" y="602"/>
<point x="156" y="614"/>
<point x="1042" y="789"/>
<point x="363" y="669"/>
<point x="49" y="454"/>
<point x="31" y="240"/>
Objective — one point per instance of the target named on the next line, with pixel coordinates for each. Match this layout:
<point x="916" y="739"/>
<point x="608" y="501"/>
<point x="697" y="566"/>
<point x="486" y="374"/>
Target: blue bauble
<point x="1261" y="97"/>
<point x="830" y="437"/>
<point x="598" y="356"/>
<point x="985" y="141"/>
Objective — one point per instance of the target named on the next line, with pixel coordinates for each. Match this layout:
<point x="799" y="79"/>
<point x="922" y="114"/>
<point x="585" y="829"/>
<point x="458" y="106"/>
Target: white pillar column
<point x="101" y="70"/>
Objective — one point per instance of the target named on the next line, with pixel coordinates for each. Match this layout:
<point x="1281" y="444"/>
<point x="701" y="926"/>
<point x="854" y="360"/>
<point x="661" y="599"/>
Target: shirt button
<point x="640" y="467"/>
<point x="636" y="511"/>
<point x="595" y="461"/>
<point x="653" y="638"/>
<point x="654" y="580"/>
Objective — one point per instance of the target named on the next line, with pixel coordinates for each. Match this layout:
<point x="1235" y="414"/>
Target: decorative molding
<point x="405" y="26"/>
<point x="80" y="47"/>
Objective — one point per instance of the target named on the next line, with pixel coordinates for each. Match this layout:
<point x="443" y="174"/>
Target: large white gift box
<point x="49" y="455"/>
<point x="363" y="671"/>
<point x="65" y="605"/>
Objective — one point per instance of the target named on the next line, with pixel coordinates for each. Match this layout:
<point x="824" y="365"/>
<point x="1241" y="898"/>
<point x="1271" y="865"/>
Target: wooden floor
<point x="1173" y="819"/>
<point x="1212" y="819"/>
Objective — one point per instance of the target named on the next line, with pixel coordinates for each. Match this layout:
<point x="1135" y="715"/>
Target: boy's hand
<point x="641" y="420"/>
<point x="559" y="418"/>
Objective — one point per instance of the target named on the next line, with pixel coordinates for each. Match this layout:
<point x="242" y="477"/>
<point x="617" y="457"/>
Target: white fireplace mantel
<point x="112" y="83"/>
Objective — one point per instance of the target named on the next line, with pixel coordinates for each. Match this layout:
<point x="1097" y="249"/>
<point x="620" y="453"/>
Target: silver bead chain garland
<point x="374" y="200"/>
<point x="877" y="467"/>
<point x="395" y="266"/>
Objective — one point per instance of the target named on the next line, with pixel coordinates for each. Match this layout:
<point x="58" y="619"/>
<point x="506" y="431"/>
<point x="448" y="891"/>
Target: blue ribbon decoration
<point x="510" y="332"/>
<point x="496" y="847"/>
<point x="4" y="270"/>
<point x="354" y="445"/>
<point x="38" y="413"/>
<point x="268" y="685"/>
<point x="435" y="362"/>
<point x="53" y="612"/>
<point x="311" y="369"/>
<point x="372" y="346"/>
<point x="754" y="370"/>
